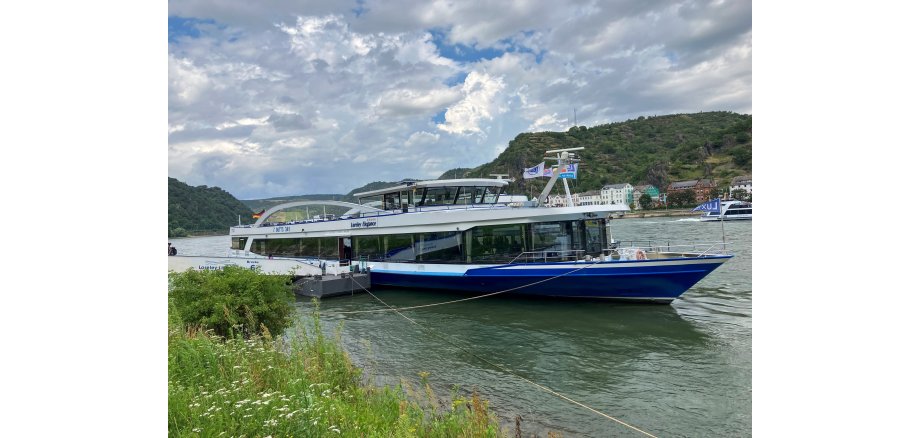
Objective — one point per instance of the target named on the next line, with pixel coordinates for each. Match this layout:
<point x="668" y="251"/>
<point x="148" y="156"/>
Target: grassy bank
<point x="302" y="385"/>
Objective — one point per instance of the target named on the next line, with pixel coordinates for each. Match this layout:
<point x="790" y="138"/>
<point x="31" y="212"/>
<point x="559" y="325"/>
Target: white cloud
<point x="186" y="82"/>
<point x="409" y="101"/>
<point x="422" y="138"/>
<point x="262" y="98"/>
<point x="548" y="123"/>
<point x="478" y="105"/>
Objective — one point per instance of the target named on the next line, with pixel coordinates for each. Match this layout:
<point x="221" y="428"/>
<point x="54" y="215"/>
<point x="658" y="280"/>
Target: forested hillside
<point x="649" y="150"/>
<point x="203" y="209"/>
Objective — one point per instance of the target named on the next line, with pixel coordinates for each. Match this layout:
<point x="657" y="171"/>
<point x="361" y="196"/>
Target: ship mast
<point x="564" y="157"/>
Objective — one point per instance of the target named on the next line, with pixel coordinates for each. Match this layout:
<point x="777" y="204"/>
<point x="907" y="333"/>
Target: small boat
<point x="732" y="210"/>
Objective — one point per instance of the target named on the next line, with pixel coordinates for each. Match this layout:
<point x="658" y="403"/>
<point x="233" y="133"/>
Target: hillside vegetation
<point x="648" y="150"/>
<point x="203" y="209"/>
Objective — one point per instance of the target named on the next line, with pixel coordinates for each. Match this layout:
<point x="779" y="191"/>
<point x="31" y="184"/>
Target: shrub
<point x="233" y="299"/>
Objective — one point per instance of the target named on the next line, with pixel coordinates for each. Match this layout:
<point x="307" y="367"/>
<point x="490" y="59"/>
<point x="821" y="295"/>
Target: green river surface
<point x="682" y="369"/>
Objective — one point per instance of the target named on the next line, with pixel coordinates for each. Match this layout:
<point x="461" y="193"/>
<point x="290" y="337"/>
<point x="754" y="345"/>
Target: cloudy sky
<point x="277" y="98"/>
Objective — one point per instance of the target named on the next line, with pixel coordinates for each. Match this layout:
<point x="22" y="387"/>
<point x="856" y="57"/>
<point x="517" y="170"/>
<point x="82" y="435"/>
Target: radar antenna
<point x="564" y="157"/>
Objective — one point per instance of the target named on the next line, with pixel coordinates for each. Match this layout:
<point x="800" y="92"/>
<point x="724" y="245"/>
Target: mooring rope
<point x="468" y="298"/>
<point x="451" y="341"/>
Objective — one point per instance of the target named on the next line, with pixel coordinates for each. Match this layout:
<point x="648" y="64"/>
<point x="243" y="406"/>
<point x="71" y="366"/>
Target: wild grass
<point x="303" y="385"/>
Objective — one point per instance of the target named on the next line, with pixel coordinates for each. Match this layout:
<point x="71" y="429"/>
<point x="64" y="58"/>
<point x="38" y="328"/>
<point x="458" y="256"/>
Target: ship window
<point x="490" y="195"/>
<point x="391" y="201"/>
<point x="399" y="248"/>
<point x="405" y="199"/>
<point x="372" y="201"/>
<point x="439" y="195"/>
<point x="320" y="247"/>
<point x="595" y="231"/>
<point x="498" y="242"/>
<point x="238" y="243"/>
<point x="368" y="246"/>
<point x="466" y="195"/>
<point x="567" y="236"/>
<point x="439" y="247"/>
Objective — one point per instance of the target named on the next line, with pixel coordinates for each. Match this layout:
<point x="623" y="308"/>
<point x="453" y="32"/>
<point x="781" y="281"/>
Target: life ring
<point x="640" y="255"/>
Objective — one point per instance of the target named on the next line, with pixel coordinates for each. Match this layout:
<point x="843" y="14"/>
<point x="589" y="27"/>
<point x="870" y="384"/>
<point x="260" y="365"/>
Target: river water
<point x="682" y="369"/>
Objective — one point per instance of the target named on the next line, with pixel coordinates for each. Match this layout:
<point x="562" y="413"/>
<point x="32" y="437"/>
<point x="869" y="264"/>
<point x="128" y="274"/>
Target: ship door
<point x="345" y="251"/>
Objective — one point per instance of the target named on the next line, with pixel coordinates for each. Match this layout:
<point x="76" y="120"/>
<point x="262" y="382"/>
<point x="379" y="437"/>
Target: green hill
<point x="203" y="209"/>
<point x="649" y="150"/>
<point x="455" y="173"/>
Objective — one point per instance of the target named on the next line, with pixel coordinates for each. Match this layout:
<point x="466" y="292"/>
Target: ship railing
<point x="669" y="249"/>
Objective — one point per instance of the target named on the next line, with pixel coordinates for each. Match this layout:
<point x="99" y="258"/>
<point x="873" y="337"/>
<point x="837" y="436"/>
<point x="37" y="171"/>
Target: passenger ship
<point x="731" y="210"/>
<point x="467" y="235"/>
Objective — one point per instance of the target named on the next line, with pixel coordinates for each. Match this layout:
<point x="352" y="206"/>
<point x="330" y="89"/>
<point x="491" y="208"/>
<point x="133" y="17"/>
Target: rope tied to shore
<point x="453" y="343"/>
<point x="587" y="265"/>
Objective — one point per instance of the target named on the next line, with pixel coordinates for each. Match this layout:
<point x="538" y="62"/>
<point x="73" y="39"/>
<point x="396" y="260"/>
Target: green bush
<point x="234" y="299"/>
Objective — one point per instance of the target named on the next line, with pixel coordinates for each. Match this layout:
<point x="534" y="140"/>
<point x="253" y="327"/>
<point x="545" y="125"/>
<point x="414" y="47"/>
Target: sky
<point x="282" y="98"/>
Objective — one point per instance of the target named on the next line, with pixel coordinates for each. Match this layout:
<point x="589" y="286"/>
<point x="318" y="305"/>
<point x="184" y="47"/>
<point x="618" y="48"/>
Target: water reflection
<point x="598" y="352"/>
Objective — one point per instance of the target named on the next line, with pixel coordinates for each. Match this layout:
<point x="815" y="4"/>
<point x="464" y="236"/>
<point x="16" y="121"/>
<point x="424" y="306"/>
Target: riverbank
<point x="303" y="385"/>
<point x="656" y="213"/>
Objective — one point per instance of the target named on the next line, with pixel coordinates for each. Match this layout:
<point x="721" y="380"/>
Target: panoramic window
<point x="399" y="248"/>
<point x="439" y="247"/>
<point x="372" y="201"/>
<point x="497" y="242"/>
<point x="368" y="246"/>
<point x="439" y="195"/>
<point x="467" y="196"/>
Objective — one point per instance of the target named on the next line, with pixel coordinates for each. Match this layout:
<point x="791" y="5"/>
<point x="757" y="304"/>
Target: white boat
<point x="731" y="210"/>
<point x="467" y="235"/>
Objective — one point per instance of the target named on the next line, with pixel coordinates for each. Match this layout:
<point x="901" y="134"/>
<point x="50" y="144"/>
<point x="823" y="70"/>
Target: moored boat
<point x="467" y="235"/>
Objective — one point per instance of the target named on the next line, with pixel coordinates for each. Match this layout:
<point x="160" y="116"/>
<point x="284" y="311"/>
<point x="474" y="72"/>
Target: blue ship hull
<point x="644" y="280"/>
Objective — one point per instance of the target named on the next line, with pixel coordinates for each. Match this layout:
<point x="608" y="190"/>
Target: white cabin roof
<point x="465" y="182"/>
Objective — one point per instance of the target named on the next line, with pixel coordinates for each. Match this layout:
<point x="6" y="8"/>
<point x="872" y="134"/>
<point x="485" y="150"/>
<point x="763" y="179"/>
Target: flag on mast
<point x="259" y="214"/>
<point x="569" y="171"/>
<point x="534" y="172"/>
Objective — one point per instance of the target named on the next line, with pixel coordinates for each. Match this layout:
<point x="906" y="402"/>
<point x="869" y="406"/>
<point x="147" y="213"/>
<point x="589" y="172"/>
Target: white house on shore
<point x="592" y="197"/>
<point x="617" y="194"/>
<point x="560" y="200"/>
<point x="741" y="182"/>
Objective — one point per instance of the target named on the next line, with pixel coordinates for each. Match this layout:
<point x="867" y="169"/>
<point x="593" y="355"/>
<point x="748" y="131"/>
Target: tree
<point x="741" y="195"/>
<point x="645" y="201"/>
<point x="682" y="198"/>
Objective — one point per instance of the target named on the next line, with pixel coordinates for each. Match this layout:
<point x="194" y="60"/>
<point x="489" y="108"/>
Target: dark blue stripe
<point x="652" y="282"/>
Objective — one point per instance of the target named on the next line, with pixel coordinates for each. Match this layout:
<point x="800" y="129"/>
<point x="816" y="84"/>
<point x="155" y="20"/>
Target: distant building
<point x="741" y="182"/>
<point x="592" y="197"/>
<point x="649" y="190"/>
<point x="560" y="200"/>
<point x="617" y="194"/>
<point x="700" y="187"/>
